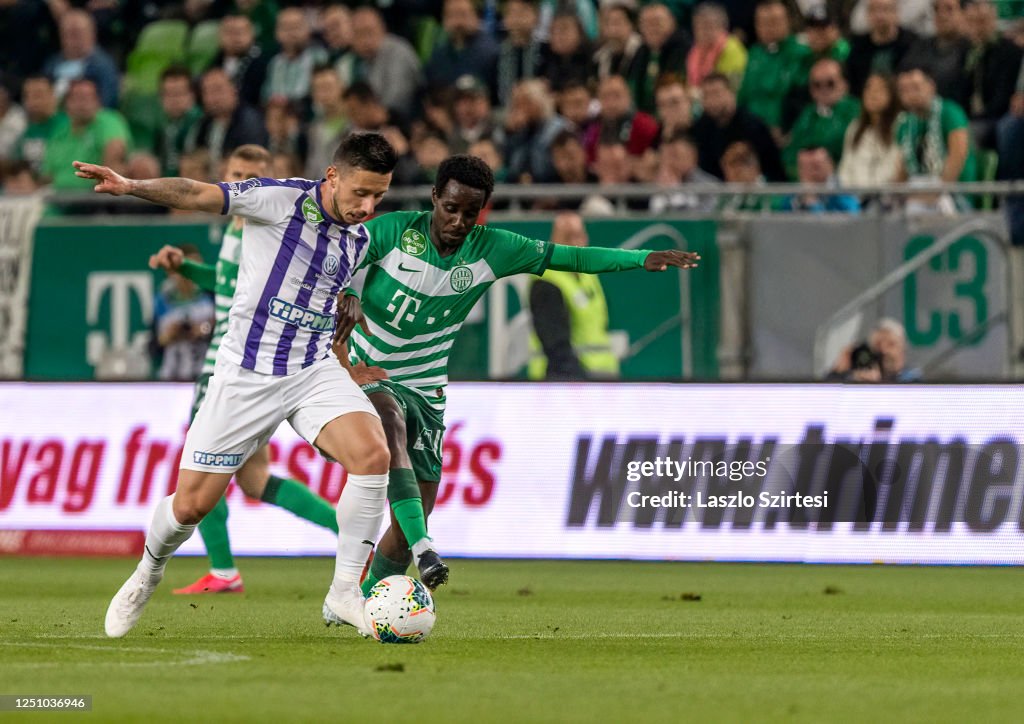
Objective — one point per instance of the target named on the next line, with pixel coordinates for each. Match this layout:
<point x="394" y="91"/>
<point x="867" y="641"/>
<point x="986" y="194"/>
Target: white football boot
<point x="126" y="607"/>
<point x="346" y="607"/>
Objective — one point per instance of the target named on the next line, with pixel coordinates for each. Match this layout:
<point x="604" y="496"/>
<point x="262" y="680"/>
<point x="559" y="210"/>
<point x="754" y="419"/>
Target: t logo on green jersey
<point x="413" y="242"/>
<point x="462" y="278"/>
<point x="311" y="212"/>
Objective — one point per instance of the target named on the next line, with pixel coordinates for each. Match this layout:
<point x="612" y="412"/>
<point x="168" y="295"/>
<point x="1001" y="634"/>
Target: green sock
<point x="404" y="495"/>
<point x="299" y="499"/>
<point x="381" y="567"/>
<point x="214" y="530"/>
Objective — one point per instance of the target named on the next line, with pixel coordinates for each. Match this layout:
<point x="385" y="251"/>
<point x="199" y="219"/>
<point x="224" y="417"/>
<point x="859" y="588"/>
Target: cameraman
<point x="183" y="321"/>
<point x="883" y="358"/>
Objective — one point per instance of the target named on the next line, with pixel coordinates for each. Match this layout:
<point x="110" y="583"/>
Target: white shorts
<point x="242" y="410"/>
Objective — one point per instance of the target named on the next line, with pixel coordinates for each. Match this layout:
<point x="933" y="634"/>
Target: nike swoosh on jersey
<point x="401" y="267"/>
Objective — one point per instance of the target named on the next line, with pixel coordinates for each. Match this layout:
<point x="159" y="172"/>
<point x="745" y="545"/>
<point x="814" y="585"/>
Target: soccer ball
<point x="400" y="610"/>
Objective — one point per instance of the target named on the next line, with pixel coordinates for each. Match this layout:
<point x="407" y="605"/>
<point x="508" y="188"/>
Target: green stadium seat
<point x="160" y="44"/>
<point x="203" y="45"/>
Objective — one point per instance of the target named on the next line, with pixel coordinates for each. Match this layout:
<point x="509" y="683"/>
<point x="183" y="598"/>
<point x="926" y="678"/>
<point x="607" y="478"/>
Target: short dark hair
<point x="360" y="91"/>
<point x="717" y="77"/>
<point x="35" y="77"/>
<point x="911" y="67"/>
<point x="175" y="71"/>
<point x="564" y="138"/>
<point x="367" y="151"/>
<point x="467" y="170"/>
<point x="324" y="68"/>
<point x="681" y="135"/>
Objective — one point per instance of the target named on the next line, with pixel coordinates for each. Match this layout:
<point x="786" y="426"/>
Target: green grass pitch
<point x="531" y="641"/>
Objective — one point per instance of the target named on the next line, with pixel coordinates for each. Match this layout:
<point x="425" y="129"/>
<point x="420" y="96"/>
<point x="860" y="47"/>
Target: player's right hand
<point x="109" y="182"/>
<point x="168" y="258"/>
<point x="350" y="313"/>
<point x="364" y="375"/>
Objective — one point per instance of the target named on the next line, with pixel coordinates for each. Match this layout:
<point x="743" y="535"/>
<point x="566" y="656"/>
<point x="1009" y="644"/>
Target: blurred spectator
<point x="13" y="123"/>
<point x="196" y="166"/>
<point x="870" y="154"/>
<point x="227" y="123"/>
<point x="740" y="166"/>
<point x="40" y="104"/>
<point x="143" y="165"/>
<point x="570" y="53"/>
<point x="385" y="61"/>
<point x="664" y="51"/>
<point x="521" y="54"/>
<point x="288" y="165"/>
<point x="570" y="318"/>
<point x="675" y="109"/>
<point x="183" y="320"/>
<point x="585" y="10"/>
<point x="618" y="119"/>
<point x="714" y="49"/>
<point x="945" y="53"/>
<point x="917" y="14"/>
<point x="1011" y="158"/>
<point x="487" y="150"/>
<point x="815" y="166"/>
<point x="824" y="37"/>
<point x="776" y="68"/>
<point x="570" y="160"/>
<point x="677" y="169"/>
<point x="336" y="30"/>
<point x="19" y="179"/>
<point x="932" y="132"/>
<point x="992" y="66"/>
<point x="472" y="116"/>
<point x="79" y="57"/>
<point x="825" y="120"/>
<point x="531" y="125"/>
<point x="576" y="105"/>
<point x="465" y="47"/>
<point x="619" y="41"/>
<point x="365" y="110"/>
<point x="612" y="168"/>
<point x="28" y="36"/>
<point x="90" y="133"/>
<point x="330" y="122"/>
<point x="241" y="58"/>
<point x="882" y="48"/>
<point x="262" y="14"/>
<point x="284" y="128"/>
<point x="882" y="358"/>
<point x="180" y="115"/>
<point x="723" y="123"/>
<point x="437" y="109"/>
<point x="289" y="72"/>
<point x="429" y="151"/>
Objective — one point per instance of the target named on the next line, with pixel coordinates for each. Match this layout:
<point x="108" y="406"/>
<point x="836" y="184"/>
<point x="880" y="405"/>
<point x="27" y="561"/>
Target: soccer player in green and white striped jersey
<point x="248" y="161"/>
<point x="422" y="275"/>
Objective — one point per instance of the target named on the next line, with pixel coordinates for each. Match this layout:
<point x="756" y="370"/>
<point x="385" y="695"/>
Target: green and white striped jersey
<point x="224" y="289"/>
<point x="415" y="301"/>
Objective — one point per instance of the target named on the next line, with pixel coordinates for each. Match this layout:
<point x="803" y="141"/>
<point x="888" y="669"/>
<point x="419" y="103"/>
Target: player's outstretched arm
<point x="598" y="260"/>
<point x="178" y="193"/>
<point x="172" y="259"/>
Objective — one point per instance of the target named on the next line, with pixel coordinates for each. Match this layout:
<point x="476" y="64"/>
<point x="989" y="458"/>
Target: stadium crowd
<point x="676" y="93"/>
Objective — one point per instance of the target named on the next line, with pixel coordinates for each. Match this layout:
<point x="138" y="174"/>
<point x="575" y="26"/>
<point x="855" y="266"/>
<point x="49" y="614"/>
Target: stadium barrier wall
<point x="561" y="470"/>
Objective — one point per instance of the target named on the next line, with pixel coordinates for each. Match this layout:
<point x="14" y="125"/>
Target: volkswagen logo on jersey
<point x="330" y="265"/>
<point x="462" y="278"/>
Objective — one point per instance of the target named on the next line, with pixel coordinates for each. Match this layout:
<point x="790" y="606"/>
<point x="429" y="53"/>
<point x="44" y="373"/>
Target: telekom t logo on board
<point x="118" y="339"/>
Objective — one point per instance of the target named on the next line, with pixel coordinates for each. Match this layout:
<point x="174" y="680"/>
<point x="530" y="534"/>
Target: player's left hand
<point x="350" y="313"/>
<point x="362" y="374"/>
<point x="662" y="260"/>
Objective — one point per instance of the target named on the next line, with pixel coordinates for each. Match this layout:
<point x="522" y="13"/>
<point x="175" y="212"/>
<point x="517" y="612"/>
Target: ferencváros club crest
<point x="311" y="212"/>
<point x="331" y="265"/>
<point x="462" y="278"/>
<point x="413" y="242"/>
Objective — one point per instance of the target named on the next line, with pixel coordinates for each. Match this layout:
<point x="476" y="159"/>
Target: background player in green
<point x="254" y="478"/>
<point x="422" y="275"/>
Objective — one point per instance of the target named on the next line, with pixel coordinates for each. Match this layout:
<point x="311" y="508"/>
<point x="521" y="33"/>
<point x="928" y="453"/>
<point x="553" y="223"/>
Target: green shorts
<point x="424" y="428"/>
<point x="202" y="382"/>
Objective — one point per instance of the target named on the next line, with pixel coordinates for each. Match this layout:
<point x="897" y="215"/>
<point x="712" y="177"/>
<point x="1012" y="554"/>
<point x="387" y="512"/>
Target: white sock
<point x="360" y="514"/>
<point x="224" y="573"/>
<point x="165" y="536"/>
<point x="422" y="546"/>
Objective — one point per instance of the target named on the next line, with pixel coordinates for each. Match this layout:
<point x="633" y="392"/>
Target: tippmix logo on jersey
<point x="311" y="211"/>
<point x="462" y="278"/>
<point x="413" y="242"/>
<point x="331" y="265"/>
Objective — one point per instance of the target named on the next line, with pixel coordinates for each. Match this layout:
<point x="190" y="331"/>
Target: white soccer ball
<point x="400" y="610"/>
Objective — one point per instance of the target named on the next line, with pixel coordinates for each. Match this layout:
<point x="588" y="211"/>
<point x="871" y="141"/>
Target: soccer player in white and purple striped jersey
<point x="302" y="241"/>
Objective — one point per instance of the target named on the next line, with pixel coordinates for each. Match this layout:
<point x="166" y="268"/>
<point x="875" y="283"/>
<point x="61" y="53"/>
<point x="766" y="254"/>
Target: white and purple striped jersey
<point x="295" y="260"/>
